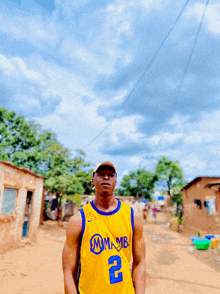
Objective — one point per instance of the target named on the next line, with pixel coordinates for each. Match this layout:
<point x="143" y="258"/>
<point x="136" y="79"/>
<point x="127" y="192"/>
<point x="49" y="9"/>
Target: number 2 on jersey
<point x="112" y="271"/>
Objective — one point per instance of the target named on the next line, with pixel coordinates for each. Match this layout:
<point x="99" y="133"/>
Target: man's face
<point x="104" y="180"/>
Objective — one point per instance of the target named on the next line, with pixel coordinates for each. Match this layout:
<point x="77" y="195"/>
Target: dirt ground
<point x="173" y="265"/>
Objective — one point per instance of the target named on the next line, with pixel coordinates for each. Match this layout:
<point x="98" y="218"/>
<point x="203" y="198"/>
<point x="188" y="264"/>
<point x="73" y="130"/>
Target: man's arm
<point x="139" y="266"/>
<point x="70" y="256"/>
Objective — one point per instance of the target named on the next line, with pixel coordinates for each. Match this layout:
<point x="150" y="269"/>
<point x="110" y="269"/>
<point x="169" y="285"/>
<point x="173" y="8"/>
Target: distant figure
<point x="145" y="212"/>
<point x="154" y="213"/>
<point x="180" y="213"/>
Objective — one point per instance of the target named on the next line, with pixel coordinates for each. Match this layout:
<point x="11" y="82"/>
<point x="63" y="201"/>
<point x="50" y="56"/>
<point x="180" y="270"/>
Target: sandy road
<point x="171" y="268"/>
<point x="36" y="268"/>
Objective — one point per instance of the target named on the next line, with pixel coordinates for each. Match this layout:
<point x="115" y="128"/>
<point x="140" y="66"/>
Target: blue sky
<point x="126" y="81"/>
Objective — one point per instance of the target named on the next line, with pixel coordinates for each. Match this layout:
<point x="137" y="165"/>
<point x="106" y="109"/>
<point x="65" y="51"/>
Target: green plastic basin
<point x="202" y="244"/>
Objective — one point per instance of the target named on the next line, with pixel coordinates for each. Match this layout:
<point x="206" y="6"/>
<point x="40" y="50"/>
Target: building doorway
<point x="27" y="214"/>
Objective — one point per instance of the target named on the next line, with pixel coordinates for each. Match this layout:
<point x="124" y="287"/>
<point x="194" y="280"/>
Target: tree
<point x="146" y="181"/>
<point x="140" y="183"/>
<point x="24" y="143"/>
<point x="15" y="134"/>
<point x="85" y="179"/>
<point x="128" y="186"/>
<point x="65" y="174"/>
<point x="170" y="177"/>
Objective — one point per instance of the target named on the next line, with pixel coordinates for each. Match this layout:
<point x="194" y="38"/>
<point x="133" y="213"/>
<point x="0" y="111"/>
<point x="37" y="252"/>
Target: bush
<point x="76" y="198"/>
<point x="180" y="219"/>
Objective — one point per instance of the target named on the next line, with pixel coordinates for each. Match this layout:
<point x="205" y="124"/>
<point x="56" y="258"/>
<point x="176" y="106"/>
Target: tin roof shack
<point x="20" y="204"/>
<point x="201" y="202"/>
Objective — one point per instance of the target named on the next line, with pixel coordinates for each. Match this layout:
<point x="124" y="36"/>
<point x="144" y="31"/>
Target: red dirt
<point x="171" y="266"/>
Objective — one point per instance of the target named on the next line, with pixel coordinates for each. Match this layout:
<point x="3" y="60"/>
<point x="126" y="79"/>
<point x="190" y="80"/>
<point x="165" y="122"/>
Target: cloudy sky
<point x="124" y="80"/>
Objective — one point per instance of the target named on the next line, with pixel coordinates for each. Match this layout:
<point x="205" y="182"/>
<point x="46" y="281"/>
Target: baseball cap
<point x="108" y="163"/>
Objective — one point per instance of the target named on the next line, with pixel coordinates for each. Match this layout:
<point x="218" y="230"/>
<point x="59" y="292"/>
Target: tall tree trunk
<point x="168" y="185"/>
<point x="141" y="191"/>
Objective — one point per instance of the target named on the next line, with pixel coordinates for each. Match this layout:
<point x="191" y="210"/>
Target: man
<point x="145" y="212"/>
<point x="154" y="213"/>
<point x="100" y="240"/>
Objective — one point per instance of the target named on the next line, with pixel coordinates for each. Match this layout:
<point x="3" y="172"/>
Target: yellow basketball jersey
<point x="102" y="268"/>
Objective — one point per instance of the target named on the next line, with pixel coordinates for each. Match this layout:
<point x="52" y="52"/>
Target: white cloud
<point x="178" y="120"/>
<point x="213" y="18"/>
<point x="126" y="127"/>
<point x="68" y="7"/>
<point x="75" y="123"/>
<point x="27" y="102"/>
<point x="118" y="25"/>
<point x="88" y="58"/>
<point x="194" y="162"/>
<point x="5" y="64"/>
<point x="120" y="96"/>
<point x="212" y="15"/>
<point x="164" y="140"/>
<point x="153" y="4"/>
<point x="16" y="67"/>
<point x="197" y="143"/>
<point x="125" y="173"/>
<point x="135" y="160"/>
<point x="103" y="45"/>
<point x="32" y="27"/>
<point x="71" y="53"/>
<point x="27" y="73"/>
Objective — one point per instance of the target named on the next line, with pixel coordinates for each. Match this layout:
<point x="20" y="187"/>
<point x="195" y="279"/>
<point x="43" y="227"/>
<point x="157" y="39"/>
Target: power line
<point x="193" y="48"/>
<point x="143" y="74"/>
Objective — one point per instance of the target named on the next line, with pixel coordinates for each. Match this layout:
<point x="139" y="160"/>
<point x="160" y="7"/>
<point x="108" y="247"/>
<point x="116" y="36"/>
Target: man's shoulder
<point x="125" y="205"/>
<point x="85" y="209"/>
<point x="74" y="226"/>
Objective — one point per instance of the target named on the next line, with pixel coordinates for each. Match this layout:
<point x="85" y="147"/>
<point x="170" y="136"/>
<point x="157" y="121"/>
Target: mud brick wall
<point x="11" y="225"/>
<point x="196" y="218"/>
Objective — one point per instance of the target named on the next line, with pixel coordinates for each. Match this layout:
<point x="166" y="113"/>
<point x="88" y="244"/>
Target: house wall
<point x="195" y="218"/>
<point x="217" y="193"/>
<point x="11" y="225"/>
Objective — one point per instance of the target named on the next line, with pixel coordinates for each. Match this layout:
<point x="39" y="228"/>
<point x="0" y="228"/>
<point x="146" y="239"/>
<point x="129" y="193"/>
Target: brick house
<point x="21" y="194"/>
<point x="201" y="203"/>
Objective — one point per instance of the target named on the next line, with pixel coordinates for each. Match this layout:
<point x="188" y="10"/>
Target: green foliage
<point x="63" y="177"/>
<point x="16" y="134"/>
<point x="170" y="172"/>
<point x="85" y="178"/>
<point x="140" y="183"/>
<point x="77" y="198"/>
<point x="170" y="176"/>
<point x="180" y="219"/>
<point x="24" y="143"/>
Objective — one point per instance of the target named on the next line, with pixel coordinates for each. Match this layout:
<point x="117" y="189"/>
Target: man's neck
<point x="106" y="204"/>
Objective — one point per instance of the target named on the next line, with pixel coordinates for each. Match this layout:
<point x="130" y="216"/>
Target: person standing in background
<point x="154" y="213"/>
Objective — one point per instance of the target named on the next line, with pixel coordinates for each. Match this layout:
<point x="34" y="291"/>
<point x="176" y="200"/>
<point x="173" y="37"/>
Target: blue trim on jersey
<point x="83" y="221"/>
<point x="132" y="218"/>
<point x="106" y="213"/>
<point x="83" y="230"/>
